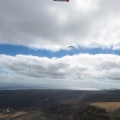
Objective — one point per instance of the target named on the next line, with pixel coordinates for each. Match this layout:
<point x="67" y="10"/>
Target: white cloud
<point x="83" y="65"/>
<point x="80" y="67"/>
<point x="55" y="25"/>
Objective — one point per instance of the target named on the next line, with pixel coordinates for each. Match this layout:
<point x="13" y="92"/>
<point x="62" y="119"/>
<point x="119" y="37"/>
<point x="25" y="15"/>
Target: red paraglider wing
<point x="62" y="0"/>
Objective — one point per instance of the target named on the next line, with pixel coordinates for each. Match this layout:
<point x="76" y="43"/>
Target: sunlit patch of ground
<point x="109" y="106"/>
<point x="32" y="115"/>
<point x="17" y="114"/>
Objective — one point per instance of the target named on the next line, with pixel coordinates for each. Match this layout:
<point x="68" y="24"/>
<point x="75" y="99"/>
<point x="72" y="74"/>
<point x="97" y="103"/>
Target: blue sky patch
<point x="14" y="50"/>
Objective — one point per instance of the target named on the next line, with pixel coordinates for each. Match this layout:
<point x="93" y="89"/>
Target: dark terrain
<point x="56" y="105"/>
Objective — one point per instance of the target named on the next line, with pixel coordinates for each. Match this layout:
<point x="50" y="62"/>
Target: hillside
<point x="112" y="108"/>
<point x="109" y="106"/>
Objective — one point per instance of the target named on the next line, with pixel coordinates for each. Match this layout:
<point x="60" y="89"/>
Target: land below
<point x="59" y="105"/>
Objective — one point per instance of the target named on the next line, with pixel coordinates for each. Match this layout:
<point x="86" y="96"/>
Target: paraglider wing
<point x="60" y="65"/>
<point x="71" y="48"/>
<point x="62" y="0"/>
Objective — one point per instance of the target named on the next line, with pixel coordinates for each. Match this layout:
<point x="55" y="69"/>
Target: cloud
<point x="80" y="67"/>
<point x="45" y="24"/>
<point x="80" y="71"/>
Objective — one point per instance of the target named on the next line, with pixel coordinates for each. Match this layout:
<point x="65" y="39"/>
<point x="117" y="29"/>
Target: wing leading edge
<point x="62" y="0"/>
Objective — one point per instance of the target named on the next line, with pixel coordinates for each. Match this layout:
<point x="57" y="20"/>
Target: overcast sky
<point x="34" y="40"/>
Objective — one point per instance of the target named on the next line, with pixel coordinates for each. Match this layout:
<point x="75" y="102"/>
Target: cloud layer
<point x="80" y="67"/>
<point x="45" y="24"/>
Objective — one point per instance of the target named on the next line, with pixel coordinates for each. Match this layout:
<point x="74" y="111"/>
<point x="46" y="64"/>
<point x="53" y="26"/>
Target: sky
<point x="35" y="36"/>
